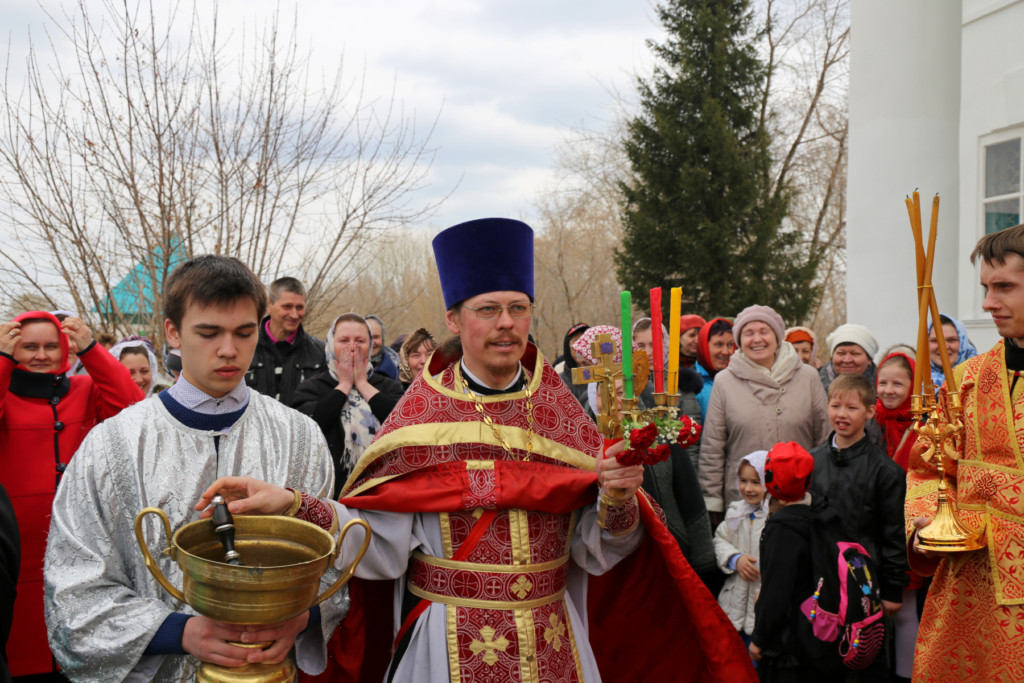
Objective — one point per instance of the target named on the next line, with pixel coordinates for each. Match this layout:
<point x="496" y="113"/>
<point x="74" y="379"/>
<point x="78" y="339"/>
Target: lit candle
<point x="627" y="347"/>
<point x="658" y="362"/>
<point x="674" y="313"/>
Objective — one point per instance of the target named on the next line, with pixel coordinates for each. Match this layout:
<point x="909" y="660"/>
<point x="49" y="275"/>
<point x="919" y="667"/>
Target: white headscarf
<point x="154" y="369"/>
<point x="357" y="419"/>
<point x="745" y="509"/>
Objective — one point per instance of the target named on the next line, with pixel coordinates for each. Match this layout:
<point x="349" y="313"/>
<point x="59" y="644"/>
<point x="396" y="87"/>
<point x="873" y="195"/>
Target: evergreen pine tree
<point x="699" y="210"/>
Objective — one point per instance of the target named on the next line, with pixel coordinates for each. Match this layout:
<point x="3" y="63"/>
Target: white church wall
<point x="991" y="114"/>
<point x="904" y="134"/>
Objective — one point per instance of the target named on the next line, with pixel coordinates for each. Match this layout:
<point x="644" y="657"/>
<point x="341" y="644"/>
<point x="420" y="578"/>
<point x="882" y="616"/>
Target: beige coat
<point x="753" y="409"/>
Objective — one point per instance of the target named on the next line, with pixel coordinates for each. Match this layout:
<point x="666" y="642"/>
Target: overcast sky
<point x="508" y="79"/>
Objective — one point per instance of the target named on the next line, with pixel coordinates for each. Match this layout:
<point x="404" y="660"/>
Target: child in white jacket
<point x="737" y="542"/>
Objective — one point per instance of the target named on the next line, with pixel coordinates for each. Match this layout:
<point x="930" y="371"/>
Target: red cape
<point x="650" y="617"/>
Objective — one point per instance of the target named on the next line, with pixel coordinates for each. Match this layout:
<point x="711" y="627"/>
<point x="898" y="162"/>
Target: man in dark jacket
<point x="285" y="355"/>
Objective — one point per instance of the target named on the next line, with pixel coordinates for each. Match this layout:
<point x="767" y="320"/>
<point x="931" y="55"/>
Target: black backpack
<point x="846" y="607"/>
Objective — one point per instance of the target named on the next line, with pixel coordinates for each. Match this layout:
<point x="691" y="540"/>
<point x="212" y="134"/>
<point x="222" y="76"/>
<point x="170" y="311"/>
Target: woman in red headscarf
<point x="44" y="416"/>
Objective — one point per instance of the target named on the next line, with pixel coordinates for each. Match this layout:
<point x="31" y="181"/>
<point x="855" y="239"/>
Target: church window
<point x="1002" y="182"/>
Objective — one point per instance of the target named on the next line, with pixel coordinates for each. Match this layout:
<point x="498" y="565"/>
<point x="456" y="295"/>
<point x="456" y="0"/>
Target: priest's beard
<point x="506" y="370"/>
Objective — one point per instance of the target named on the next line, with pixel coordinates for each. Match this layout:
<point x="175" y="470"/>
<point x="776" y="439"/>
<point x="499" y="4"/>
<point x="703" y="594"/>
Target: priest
<point x="107" y="617"/>
<point x="974" y="616"/>
<point x="521" y="552"/>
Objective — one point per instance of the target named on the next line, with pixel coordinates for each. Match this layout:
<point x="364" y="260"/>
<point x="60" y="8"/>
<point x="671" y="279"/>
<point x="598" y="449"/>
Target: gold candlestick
<point x="666" y="405"/>
<point x="945" y="533"/>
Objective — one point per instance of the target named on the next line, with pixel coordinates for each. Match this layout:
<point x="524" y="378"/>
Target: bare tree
<point x="804" y="106"/>
<point x="578" y="230"/>
<point x="161" y="138"/>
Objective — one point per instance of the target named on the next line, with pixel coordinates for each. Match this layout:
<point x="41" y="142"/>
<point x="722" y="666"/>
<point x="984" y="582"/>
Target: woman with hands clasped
<point x="349" y="400"/>
<point x="44" y="416"/>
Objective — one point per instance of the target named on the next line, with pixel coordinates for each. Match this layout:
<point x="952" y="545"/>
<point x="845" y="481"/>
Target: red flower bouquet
<point x="647" y="443"/>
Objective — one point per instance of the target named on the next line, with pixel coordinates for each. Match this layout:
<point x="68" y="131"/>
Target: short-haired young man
<point x="108" y="618"/>
<point x="970" y="628"/>
<point x="482" y="490"/>
<point x="286" y="354"/>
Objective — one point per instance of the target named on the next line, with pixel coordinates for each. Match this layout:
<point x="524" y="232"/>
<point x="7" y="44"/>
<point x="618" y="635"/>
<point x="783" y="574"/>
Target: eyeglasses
<point x="492" y="311"/>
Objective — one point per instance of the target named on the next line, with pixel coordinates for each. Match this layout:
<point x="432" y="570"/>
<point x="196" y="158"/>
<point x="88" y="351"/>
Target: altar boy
<point x="108" y="618"/>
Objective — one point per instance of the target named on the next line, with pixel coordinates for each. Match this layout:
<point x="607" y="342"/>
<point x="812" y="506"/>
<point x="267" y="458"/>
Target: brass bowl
<point x="283" y="558"/>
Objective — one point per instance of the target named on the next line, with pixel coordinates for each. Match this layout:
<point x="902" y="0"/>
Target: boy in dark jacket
<point x="786" y="571"/>
<point x="864" y="488"/>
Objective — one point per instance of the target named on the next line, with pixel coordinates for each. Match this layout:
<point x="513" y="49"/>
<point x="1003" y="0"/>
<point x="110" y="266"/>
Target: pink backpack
<point x="847" y="605"/>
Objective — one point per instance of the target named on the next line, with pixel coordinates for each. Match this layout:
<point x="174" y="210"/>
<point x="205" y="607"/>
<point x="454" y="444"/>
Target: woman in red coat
<point x="44" y="416"/>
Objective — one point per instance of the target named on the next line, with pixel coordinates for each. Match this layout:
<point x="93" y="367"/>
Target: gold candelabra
<point x="940" y="430"/>
<point x="945" y="533"/>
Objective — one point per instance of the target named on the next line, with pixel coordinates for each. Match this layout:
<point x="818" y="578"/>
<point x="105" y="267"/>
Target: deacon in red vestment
<point x="482" y="491"/>
<point x="972" y="627"/>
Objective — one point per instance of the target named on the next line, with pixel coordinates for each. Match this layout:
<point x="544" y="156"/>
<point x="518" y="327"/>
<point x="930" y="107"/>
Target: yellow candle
<point x="674" y="311"/>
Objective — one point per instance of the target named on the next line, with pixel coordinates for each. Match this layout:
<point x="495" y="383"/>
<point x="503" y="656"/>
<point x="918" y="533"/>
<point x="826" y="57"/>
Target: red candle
<point x="658" y="362"/>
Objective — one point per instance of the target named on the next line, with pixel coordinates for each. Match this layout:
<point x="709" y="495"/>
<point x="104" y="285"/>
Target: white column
<point x="904" y="134"/>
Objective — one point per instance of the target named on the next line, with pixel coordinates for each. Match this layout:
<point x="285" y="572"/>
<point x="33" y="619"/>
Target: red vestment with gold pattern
<point x="507" y="585"/>
<point x="972" y="628"/>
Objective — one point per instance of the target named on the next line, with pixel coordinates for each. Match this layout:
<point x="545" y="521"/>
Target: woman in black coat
<point x="349" y="400"/>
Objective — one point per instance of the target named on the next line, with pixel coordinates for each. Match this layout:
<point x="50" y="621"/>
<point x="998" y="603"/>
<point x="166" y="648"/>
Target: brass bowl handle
<point x="151" y="564"/>
<point x="351" y="569"/>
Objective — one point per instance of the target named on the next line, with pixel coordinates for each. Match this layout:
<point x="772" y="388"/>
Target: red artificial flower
<point x="630" y="457"/>
<point x="689" y="435"/>
<point x="642" y="437"/>
<point x="658" y="454"/>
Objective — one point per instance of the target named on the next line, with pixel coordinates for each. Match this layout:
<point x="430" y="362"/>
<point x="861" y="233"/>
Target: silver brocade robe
<point x="102" y="605"/>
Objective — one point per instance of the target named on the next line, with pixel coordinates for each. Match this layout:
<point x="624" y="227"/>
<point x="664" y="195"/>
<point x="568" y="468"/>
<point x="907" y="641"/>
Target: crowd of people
<point x="795" y="436"/>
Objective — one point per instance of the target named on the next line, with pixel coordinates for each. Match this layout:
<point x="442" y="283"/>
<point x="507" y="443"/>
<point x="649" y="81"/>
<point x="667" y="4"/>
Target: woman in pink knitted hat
<point x="765" y="396"/>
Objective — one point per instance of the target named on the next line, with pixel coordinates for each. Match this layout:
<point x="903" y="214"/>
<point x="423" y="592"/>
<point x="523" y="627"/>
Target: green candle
<point x="627" y="347"/>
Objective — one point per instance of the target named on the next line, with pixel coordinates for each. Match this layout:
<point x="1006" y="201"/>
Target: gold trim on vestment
<point x="519" y="536"/>
<point x="1004" y="386"/>
<point x="296" y="504"/>
<point x="491" y="568"/>
<point x="446" y="536"/>
<point x="534" y="384"/>
<point x="479" y="464"/>
<point x="572" y="644"/>
<point x="485" y="604"/>
<point x="450" y="433"/>
<point x="925" y="489"/>
<point x="452" y="619"/>
<point x="981" y="464"/>
<point x="528" y="669"/>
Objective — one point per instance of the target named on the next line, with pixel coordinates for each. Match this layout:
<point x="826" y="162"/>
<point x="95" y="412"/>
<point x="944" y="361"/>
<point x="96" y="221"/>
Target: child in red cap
<point x="786" y="571"/>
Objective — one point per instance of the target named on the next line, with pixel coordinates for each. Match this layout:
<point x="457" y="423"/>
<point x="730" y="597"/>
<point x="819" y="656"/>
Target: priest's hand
<point x="247" y="496"/>
<point x="755" y="652"/>
<point x="618" y="481"/>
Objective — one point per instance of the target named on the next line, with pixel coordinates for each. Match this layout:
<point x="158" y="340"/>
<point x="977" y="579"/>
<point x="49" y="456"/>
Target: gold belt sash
<point x="488" y="586"/>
